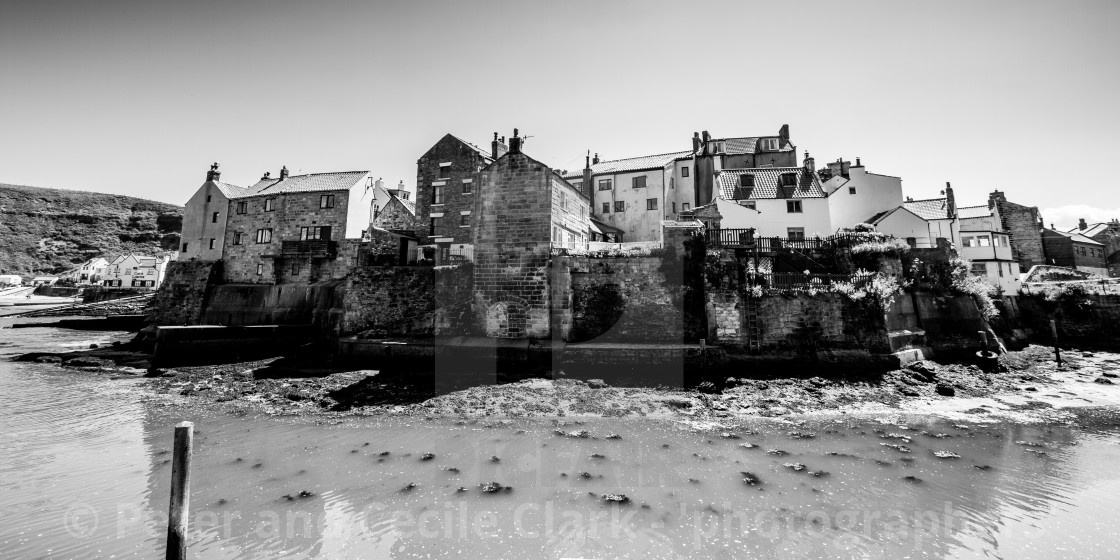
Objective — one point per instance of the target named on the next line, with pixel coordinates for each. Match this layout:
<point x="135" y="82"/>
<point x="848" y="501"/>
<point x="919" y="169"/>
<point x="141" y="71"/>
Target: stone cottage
<point x="1107" y="234"/>
<point x="1074" y="250"/>
<point x="205" y="216"/>
<point x="299" y="228"/>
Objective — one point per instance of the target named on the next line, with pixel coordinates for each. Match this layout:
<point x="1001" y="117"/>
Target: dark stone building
<point x="1074" y="250"/>
<point x="1024" y="224"/>
<point x="1107" y="234"/>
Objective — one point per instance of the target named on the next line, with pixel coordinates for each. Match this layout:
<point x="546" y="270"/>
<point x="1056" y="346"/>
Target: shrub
<point x="877" y="289"/>
<point x="962" y="281"/>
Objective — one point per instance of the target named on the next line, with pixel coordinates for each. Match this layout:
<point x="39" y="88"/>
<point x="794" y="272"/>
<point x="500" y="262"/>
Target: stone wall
<point x="406" y="301"/>
<point x="458" y="183"/>
<point x="1088" y="322"/>
<point x="511" y="235"/>
<point x="396" y="217"/>
<point x="1022" y="222"/>
<point x="182" y="296"/>
<point x="318" y="305"/>
<point x="624" y="299"/>
<point x="291" y="212"/>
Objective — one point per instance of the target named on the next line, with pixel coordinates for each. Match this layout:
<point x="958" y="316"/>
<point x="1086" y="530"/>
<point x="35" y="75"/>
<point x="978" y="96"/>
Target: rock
<point x="749" y="479"/>
<point x="596" y="383"/>
<point x="911" y="478"/>
<point x="802" y="435"/>
<point x="777" y="452"/>
<point x="946" y="455"/>
<point x="1103" y="381"/>
<point x="728" y="435"/>
<point x="92" y="346"/>
<point x="598" y="456"/>
<point x="1106" y="374"/>
<point x="87" y="361"/>
<point x="707" y="387"/>
<point x="946" y="390"/>
<point x="427" y="457"/>
<point x="408" y="486"/>
<point x="897" y="447"/>
<point x="305" y="494"/>
<point x="491" y="487"/>
<point x="614" y="436"/>
<point x="908" y="392"/>
<point x="616" y="498"/>
<point x="49" y="360"/>
<point x="795" y="466"/>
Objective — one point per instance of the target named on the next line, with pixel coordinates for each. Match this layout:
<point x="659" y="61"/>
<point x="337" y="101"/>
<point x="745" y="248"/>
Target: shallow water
<point x="84" y="473"/>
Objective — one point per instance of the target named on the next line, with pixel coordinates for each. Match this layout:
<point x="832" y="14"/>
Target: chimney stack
<point x="950" y="200"/>
<point x="267" y="175"/>
<point x="783" y="134"/>
<point x="695" y="142"/>
<point x="595" y="160"/>
<point x="515" y="143"/>
<point x="213" y="174"/>
<point x="809" y="163"/>
<point x="858" y="164"/>
<point x="283" y="172"/>
<point x="498" y="147"/>
<point x="1081" y="225"/>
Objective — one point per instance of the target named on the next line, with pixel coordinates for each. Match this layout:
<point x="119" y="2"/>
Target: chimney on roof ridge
<point x="1081" y="225"/>
<point x="595" y="159"/>
<point x="950" y="200"/>
<point x="783" y="133"/>
<point x="909" y="199"/>
<point x="858" y="164"/>
<point x="267" y="175"/>
<point x="695" y="142"/>
<point x="809" y="163"/>
<point x="283" y="172"/>
<point x="498" y="147"/>
<point x="515" y="143"/>
<point x="213" y="174"/>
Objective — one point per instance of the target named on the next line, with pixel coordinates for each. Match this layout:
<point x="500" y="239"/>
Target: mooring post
<point x="180" y="492"/>
<point x="983" y="340"/>
<point x="1054" y="334"/>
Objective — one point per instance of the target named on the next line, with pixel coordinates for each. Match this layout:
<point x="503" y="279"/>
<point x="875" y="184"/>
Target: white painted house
<point x="988" y="247"/>
<point x="857" y="196"/>
<point x="204" y="218"/>
<point x="786" y="202"/>
<point x="135" y="271"/>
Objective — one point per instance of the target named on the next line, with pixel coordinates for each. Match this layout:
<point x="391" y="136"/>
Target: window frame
<point x="606" y="208"/>
<point x="260" y="269"/>
<point x="270" y="204"/>
<point x="638" y="182"/>
<point x="438" y="196"/>
<point x="213" y="243"/>
<point x="795" y="233"/>
<point x="605" y="184"/>
<point x="468" y="188"/>
<point x="794" y="207"/>
<point x="619" y="206"/>
<point x="264" y="236"/>
<point x="214" y="217"/>
<point x="651" y="204"/>
<point x="684" y="171"/>
<point x="444" y="171"/>
<point x="770" y="144"/>
<point x="434" y="223"/>
<point x="242" y="208"/>
<point x="326" y="201"/>
<point x="464" y="220"/>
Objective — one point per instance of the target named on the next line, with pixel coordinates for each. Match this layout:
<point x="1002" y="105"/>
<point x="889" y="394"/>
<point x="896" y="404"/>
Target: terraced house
<point x="783" y="202"/>
<point x="299" y="228"/>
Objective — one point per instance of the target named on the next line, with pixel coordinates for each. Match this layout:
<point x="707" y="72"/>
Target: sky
<point x="139" y="98"/>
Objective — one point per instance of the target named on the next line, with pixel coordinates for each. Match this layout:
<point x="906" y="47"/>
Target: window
<point x="434" y="225"/>
<point x="674" y="207"/>
<point x="314" y="233"/>
<point x="295" y="268"/>
<point x="238" y="238"/>
<point x="851" y="190"/>
<point x="620" y="206"/>
<point x="214" y="218"/>
<point x="184" y="247"/>
<point x="651" y="204"/>
<point x="685" y="207"/>
<point x="748" y="204"/>
<point x="795" y="233"/>
<point x="564" y="201"/>
<point x="746" y="180"/>
<point x="638" y="182"/>
<point x="260" y="269"/>
<point x="264" y="235"/>
<point x="605" y="185"/>
<point x="999" y="267"/>
<point x="269" y="204"/>
<point x="437" y="194"/>
<point x="242" y="207"/>
<point x="467" y="188"/>
<point x="207" y="198"/>
<point x="213" y="242"/>
<point x="769" y="144"/>
<point x="983" y="241"/>
<point x="326" y="201"/>
<point x="979" y="269"/>
<point x="793" y="206"/>
<point x="684" y="172"/>
<point x="578" y="185"/>
<point x="445" y="171"/>
<point x="968" y="241"/>
<point x="606" y="210"/>
<point x="789" y="179"/>
<point x="464" y="219"/>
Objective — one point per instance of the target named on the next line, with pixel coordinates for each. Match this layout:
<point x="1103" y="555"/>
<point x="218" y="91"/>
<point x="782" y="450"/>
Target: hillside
<point x="48" y="231"/>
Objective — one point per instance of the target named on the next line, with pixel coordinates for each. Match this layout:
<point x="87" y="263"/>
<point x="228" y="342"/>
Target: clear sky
<point x="139" y="98"/>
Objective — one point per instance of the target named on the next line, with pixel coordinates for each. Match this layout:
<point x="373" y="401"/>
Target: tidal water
<point x="84" y="473"/>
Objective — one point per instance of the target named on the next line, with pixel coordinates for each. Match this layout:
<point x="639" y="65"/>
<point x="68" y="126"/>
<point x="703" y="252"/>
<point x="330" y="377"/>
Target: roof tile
<point x="313" y="182"/>
<point x="767" y="183"/>
<point x="929" y="209"/>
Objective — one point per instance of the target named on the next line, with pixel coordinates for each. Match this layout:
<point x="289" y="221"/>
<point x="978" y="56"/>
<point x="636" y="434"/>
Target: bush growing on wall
<point x="878" y="289"/>
<point x="964" y="282"/>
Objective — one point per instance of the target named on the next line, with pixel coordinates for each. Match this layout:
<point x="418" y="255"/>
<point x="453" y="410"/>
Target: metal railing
<point x="745" y="238"/>
<point x="797" y="281"/>
<point x="313" y="249"/>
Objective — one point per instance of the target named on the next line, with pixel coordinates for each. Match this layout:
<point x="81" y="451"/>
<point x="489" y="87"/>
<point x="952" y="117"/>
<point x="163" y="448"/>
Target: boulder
<point x="946" y="390"/>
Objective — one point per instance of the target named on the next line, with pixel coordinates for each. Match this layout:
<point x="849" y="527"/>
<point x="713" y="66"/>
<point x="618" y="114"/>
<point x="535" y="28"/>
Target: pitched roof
<point x="1079" y="238"/>
<point x="748" y="145"/>
<point x="630" y="164"/>
<point x="484" y="153"/>
<point x="230" y="190"/>
<point x="313" y="182"/>
<point x="767" y="183"/>
<point x="973" y="212"/>
<point x="929" y="209"/>
<point x="1093" y="230"/>
<point x="408" y="204"/>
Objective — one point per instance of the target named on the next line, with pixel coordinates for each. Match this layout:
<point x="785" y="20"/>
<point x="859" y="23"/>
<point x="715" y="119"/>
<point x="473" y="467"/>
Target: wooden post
<point x="1054" y="334"/>
<point x="180" y="492"/>
<point x="983" y="340"/>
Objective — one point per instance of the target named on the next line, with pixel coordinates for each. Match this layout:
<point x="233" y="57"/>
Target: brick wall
<point x="292" y="211"/>
<point x="465" y="162"/>
<point x="511" y="235"/>
<point x="181" y="297"/>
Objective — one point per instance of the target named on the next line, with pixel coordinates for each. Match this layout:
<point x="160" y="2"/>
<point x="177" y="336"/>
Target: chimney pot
<point x="1081" y="225"/>
<point x="267" y="175"/>
<point x="515" y="143"/>
<point x="213" y="174"/>
<point x="283" y="172"/>
<point x="596" y="158"/>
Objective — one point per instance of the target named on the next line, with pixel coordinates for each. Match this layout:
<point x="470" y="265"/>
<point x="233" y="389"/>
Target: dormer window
<point x="746" y="180"/>
<point x="769" y="144"/>
<point x="716" y="147"/>
<point x="789" y="179"/>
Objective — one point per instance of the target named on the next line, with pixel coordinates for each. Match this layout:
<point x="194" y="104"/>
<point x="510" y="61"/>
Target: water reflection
<point x="267" y="487"/>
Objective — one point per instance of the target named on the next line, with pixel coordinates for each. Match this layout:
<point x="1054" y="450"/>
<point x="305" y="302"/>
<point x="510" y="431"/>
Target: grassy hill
<point x="48" y="231"/>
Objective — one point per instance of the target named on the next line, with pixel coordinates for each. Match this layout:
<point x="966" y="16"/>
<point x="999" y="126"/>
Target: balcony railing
<point x="313" y="249"/>
<point x="745" y="239"/>
<point x="798" y="282"/>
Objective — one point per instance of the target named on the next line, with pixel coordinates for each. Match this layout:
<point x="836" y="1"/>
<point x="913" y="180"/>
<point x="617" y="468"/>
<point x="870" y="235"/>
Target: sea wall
<point x="624" y="299"/>
<point x="1087" y="321"/>
<point x="284" y="304"/>
<point x="412" y="301"/>
<point x="182" y="296"/>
